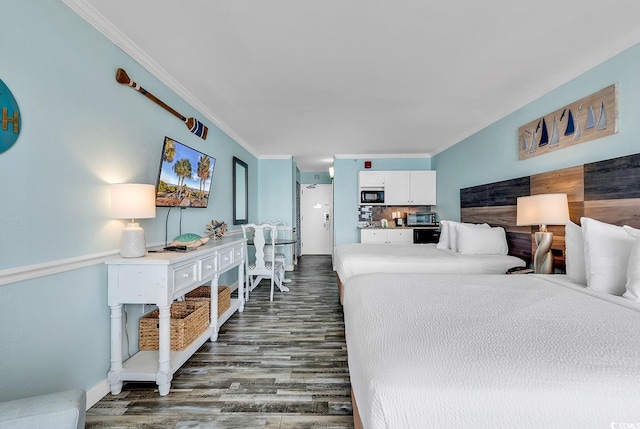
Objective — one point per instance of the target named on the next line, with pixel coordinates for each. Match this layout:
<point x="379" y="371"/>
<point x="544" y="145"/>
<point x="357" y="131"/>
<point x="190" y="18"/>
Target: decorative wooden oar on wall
<point x="195" y="126"/>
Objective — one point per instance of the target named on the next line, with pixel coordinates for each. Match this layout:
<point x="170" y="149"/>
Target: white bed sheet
<point x="360" y="258"/>
<point x="490" y="352"/>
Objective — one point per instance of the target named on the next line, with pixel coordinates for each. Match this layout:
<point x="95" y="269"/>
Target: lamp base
<point x="543" y="258"/>
<point x="133" y="244"/>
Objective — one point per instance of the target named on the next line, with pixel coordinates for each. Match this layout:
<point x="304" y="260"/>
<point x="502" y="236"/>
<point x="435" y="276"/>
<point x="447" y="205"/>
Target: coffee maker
<point x="398" y="218"/>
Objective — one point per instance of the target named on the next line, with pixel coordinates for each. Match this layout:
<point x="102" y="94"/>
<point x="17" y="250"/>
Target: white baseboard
<point x="97" y="392"/>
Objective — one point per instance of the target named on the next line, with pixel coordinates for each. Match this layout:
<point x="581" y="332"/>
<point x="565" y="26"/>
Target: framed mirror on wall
<point x="240" y="192"/>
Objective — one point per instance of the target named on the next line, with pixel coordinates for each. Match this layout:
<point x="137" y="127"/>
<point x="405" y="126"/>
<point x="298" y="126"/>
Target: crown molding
<point x="382" y="155"/>
<point x="275" y="157"/>
<point x="105" y="27"/>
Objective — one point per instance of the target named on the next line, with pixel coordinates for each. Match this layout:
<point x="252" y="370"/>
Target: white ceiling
<point x="317" y="78"/>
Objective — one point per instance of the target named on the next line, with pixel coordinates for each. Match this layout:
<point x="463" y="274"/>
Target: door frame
<point x="331" y="214"/>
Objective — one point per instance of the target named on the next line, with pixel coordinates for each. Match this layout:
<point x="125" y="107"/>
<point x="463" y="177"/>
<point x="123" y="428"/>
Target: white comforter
<point x="490" y="352"/>
<point x="360" y="258"/>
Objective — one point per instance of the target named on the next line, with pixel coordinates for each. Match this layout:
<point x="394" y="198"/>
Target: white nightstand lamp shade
<point x="543" y="210"/>
<point x="131" y="201"/>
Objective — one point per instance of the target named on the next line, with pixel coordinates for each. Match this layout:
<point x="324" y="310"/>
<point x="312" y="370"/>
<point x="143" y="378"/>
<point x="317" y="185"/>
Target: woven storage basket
<point x="224" y="299"/>
<point x="189" y="319"/>
<point x="203" y="293"/>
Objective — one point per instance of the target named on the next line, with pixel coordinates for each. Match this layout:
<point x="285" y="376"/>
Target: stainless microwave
<point x="372" y="197"/>
<point x="421" y="219"/>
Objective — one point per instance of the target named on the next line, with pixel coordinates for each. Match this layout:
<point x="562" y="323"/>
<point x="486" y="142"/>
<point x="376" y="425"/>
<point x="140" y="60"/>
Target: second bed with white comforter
<point x="360" y="258"/>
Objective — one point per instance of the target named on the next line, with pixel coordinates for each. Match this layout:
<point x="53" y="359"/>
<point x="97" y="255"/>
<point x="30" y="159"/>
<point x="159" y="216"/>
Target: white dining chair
<point x="260" y="268"/>
<point x="279" y="251"/>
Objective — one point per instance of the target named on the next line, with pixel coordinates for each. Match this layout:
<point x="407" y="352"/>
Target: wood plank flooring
<point x="280" y="364"/>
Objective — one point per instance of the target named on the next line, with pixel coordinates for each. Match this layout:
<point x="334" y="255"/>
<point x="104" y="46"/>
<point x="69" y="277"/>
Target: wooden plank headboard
<point x="605" y="190"/>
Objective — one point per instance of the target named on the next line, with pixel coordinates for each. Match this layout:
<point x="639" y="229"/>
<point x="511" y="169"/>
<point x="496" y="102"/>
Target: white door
<point x="316" y="225"/>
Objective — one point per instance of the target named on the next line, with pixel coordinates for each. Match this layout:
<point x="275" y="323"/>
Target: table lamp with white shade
<point x="543" y="210"/>
<point x="131" y="201"/>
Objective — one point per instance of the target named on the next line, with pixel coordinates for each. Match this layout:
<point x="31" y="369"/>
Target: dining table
<point x="279" y="242"/>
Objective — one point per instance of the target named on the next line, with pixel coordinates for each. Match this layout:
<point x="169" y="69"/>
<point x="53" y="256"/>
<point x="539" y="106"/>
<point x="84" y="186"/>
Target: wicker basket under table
<point x="189" y="319"/>
<point x="203" y="293"/>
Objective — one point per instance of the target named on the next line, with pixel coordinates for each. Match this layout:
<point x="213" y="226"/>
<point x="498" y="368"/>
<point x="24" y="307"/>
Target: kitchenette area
<point x="395" y="207"/>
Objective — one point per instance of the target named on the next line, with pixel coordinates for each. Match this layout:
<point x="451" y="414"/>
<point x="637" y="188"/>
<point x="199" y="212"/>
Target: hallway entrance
<point x="316" y="225"/>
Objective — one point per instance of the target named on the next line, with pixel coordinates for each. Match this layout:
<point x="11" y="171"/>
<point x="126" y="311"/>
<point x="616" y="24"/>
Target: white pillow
<point x="454" y="241"/>
<point x="633" y="272"/>
<point x="453" y="235"/>
<point x="606" y="255"/>
<point x="443" y="242"/>
<point x="482" y="241"/>
<point x="574" y="253"/>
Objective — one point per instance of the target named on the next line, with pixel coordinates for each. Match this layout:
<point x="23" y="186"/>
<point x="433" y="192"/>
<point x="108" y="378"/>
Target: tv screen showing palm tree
<point x="185" y="176"/>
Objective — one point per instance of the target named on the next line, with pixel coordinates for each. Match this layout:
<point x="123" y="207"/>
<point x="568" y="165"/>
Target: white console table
<point x="160" y="278"/>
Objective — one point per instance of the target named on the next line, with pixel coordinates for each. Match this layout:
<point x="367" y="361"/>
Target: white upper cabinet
<point x="398" y="188"/>
<point x="371" y="179"/>
<point x="417" y="188"/>
<point x="423" y="188"/>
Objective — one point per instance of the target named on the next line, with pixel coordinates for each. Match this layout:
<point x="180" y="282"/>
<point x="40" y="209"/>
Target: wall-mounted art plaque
<point x="587" y="119"/>
<point x="9" y="118"/>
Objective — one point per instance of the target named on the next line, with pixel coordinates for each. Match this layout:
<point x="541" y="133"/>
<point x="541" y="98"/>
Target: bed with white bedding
<point x="494" y="351"/>
<point x="360" y="258"/>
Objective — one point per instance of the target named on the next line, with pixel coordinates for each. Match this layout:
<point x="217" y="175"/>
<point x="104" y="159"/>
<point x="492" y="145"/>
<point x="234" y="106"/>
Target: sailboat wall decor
<point x="584" y="120"/>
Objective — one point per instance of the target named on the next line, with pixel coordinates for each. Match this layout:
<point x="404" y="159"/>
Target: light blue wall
<point x="81" y="131"/>
<point x="492" y="154"/>
<point x="345" y="190"/>
<point x="276" y="185"/>
<point x="315" y="178"/>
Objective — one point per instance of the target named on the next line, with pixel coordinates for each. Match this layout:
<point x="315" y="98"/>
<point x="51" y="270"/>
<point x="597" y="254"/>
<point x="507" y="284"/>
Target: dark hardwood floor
<point x="280" y="364"/>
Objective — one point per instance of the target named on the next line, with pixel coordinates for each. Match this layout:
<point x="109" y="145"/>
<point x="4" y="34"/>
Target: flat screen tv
<point x="185" y="176"/>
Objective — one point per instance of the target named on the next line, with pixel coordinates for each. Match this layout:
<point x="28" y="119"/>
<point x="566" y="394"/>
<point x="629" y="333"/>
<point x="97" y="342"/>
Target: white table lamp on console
<point x="131" y="201"/>
<point x="543" y="210"/>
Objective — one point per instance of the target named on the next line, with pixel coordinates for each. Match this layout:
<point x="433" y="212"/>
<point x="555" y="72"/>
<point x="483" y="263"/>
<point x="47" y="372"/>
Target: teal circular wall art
<point x="10" y="118"/>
